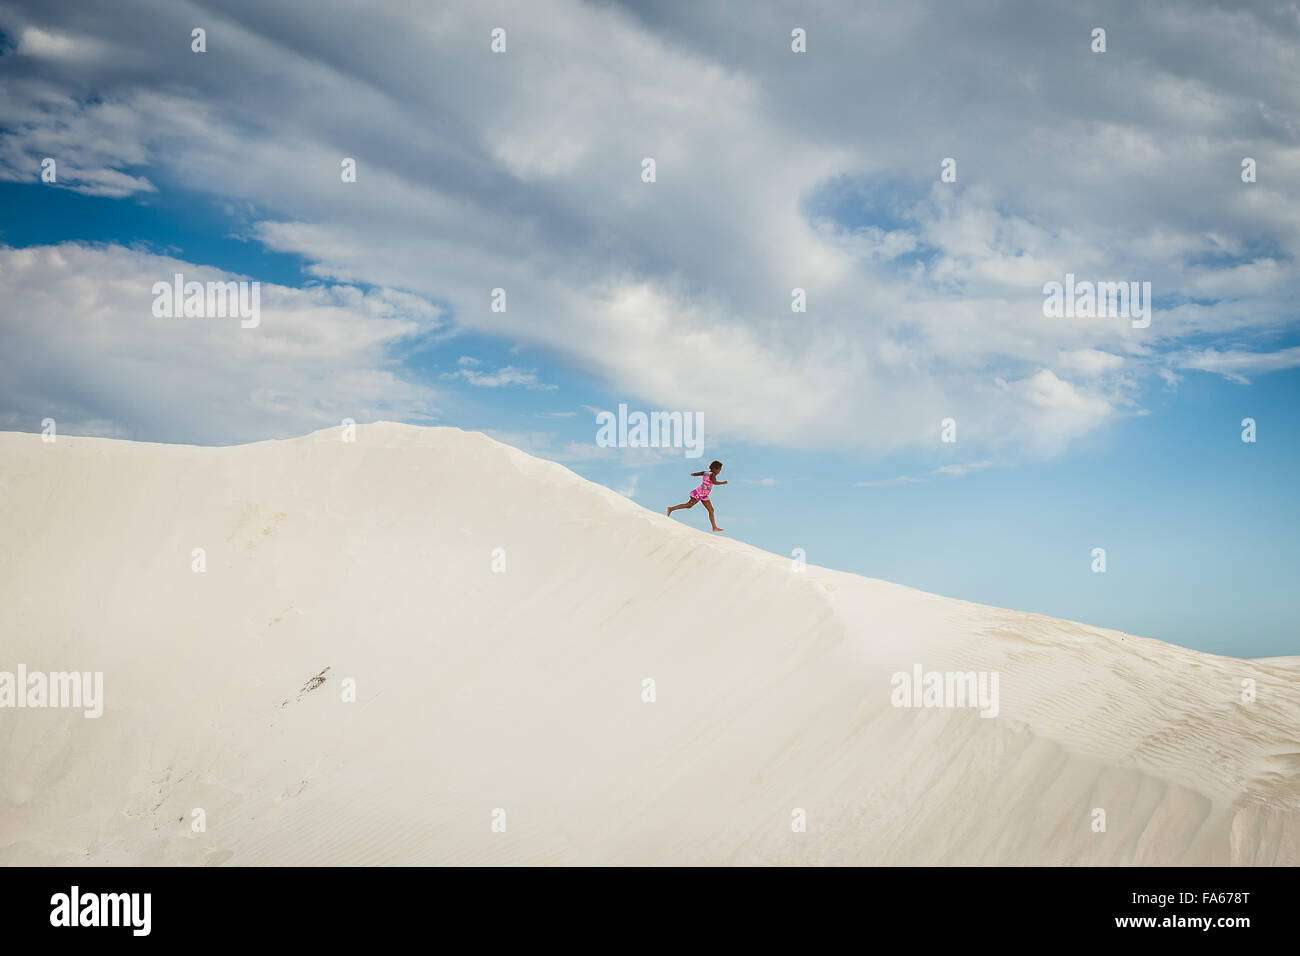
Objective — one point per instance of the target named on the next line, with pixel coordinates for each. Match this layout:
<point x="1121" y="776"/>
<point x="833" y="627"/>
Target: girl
<point x="702" y="493"/>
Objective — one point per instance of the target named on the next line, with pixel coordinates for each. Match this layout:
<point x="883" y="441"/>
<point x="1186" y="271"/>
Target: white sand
<point x="523" y="690"/>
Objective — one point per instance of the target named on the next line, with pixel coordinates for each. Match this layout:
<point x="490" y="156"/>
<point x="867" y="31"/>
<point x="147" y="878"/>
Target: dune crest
<point x="496" y="619"/>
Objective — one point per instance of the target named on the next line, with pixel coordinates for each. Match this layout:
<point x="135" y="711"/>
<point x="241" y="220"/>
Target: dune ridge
<point x="521" y="691"/>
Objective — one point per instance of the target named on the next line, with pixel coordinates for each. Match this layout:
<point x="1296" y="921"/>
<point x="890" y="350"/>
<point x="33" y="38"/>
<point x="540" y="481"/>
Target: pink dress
<point x="702" y="493"/>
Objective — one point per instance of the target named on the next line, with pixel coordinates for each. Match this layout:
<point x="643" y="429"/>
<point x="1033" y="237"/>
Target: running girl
<point x="702" y="493"/>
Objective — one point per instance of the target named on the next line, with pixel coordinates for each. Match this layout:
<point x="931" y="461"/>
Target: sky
<point x="920" y="171"/>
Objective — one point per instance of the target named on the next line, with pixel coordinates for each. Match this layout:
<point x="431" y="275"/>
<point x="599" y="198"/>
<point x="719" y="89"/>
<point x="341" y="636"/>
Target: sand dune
<point x="521" y="691"/>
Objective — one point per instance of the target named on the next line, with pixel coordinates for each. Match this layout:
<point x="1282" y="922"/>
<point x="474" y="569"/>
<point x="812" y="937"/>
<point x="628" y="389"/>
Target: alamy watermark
<point x="208" y="300"/>
<point x="654" y="430"/>
<point x="75" y="908"/>
<point x="946" y="689"/>
<point x="1093" y="300"/>
<point x="75" y="689"/>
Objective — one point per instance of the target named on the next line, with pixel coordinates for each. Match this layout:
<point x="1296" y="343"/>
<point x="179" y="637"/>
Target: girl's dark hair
<point x="715" y="464"/>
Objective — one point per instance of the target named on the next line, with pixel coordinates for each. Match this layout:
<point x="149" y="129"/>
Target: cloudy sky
<point x="774" y="170"/>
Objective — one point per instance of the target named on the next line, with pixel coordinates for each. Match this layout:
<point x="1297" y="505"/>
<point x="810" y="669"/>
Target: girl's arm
<point x="697" y="474"/>
<point x="719" y="482"/>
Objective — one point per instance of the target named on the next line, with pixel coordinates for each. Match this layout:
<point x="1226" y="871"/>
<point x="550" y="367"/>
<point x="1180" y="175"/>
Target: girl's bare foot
<point x="668" y="512"/>
<point x="716" y="530"/>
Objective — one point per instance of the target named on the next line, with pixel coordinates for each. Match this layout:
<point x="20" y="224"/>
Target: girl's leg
<point x="688" y="504"/>
<point x="709" y="506"/>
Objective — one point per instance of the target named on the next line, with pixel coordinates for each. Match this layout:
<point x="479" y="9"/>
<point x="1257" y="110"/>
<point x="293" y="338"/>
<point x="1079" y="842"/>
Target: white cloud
<point x="522" y="172"/>
<point x="629" y="488"/>
<point x="946" y="471"/>
<point x="86" y="350"/>
<point x="1238" y="366"/>
<point x="1090" y="363"/>
<point x="1053" y="411"/>
<point x="41" y="43"/>
<point x="956" y="471"/>
<point x="507" y="375"/>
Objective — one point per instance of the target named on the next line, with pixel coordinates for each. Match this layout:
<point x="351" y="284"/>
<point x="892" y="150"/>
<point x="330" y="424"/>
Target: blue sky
<point x="776" y="170"/>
